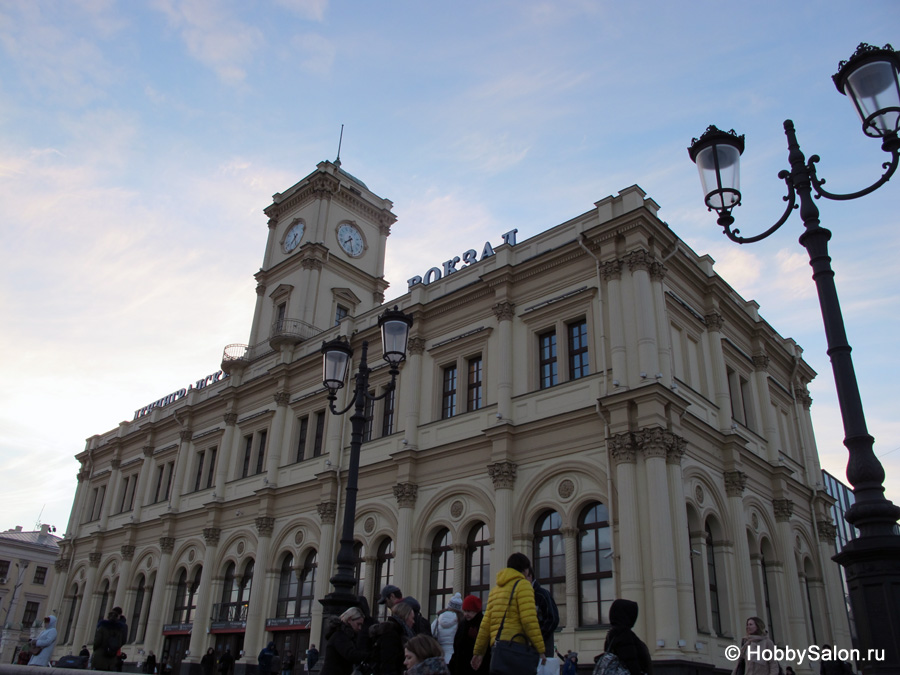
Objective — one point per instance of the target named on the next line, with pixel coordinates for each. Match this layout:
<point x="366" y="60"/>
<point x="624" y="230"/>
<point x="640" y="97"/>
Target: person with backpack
<point x="624" y="652"/>
<point x="548" y="621"/>
<point x="107" y="643"/>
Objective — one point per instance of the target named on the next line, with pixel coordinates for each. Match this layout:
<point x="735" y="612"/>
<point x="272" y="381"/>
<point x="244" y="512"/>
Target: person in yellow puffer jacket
<point x="521" y="617"/>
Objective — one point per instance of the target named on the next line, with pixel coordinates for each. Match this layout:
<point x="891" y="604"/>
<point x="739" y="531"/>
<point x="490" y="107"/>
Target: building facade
<point x="27" y="561"/>
<point x="595" y="396"/>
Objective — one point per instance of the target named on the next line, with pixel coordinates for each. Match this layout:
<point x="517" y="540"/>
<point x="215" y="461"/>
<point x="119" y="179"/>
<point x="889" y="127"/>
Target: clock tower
<point x="324" y="256"/>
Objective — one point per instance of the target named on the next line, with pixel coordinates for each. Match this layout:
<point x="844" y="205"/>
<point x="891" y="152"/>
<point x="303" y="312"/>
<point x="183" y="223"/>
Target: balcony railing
<point x="284" y="331"/>
<point x="293" y="330"/>
<point x="229" y="612"/>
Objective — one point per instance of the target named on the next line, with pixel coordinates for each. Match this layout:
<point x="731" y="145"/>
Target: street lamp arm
<point x="790" y="198"/>
<point x="817" y="183"/>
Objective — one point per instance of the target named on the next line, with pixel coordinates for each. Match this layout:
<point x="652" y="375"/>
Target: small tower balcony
<point x="291" y="332"/>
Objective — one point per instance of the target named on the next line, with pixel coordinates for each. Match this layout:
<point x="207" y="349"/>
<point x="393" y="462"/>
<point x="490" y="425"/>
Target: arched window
<point x="440" y="588"/>
<point x="384" y="571"/>
<point x="104" y="600"/>
<point x="71" y="618"/>
<point x="713" y="583"/>
<point x="478" y="562"/>
<point x="181" y="598"/>
<point x="766" y="599"/>
<point x="287" y="589"/>
<point x="549" y="557"/>
<point x="136" y="613"/>
<point x="235" y="593"/>
<point x="192" y="595"/>
<point x="359" y="561"/>
<point x="308" y="585"/>
<point x="595" y="583"/>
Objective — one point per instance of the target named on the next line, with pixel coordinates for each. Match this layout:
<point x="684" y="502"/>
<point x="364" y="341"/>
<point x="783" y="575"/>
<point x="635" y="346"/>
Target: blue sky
<point x="140" y="141"/>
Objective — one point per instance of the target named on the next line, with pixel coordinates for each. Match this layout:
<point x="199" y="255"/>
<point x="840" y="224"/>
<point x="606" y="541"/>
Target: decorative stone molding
<point x="622" y="448"/>
<point x="658" y="271"/>
<point x="566" y="488"/>
<point x="415" y="345"/>
<point x="230" y="419"/>
<point x="260" y="288"/>
<point x="82" y="475"/>
<point x="115" y="464"/>
<point x="639" y="260"/>
<point x="298" y="537"/>
<point x="503" y="474"/>
<point x="311" y="264"/>
<point x="827" y="531"/>
<point x="504" y="311"/>
<point x="369" y="525"/>
<point x="265" y="525"/>
<point x="714" y="321"/>
<point x="211" y="535"/>
<point x="611" y="270"/>
<point x="273" y="222"/>
<point x="760" y="363"/>
<point x="281" y="398"/>
<point x="457" y="508"/>
<point x="458" y="548"/>
<point x="127" y="552"/>
<point x="148" y="450"/>
<point x="62" y="565"/>
<point x="166" y="544"/>
<point x="653" y="442"/>
<point x="569" y="532"/>
<point x="186" y="435"/>
<point x="802" y="395"/>
<point x="94" y="559"/>
<point x="675" y="450"/>
<point x="327" y="512"/>
<point x="735" y="483"/>
<point x="784" y="509"/>
<point x="405" y="494"/>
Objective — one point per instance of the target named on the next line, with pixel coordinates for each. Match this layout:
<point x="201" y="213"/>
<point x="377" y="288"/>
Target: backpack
<point x="609" y="664"/>
<point x="113" y="641"/>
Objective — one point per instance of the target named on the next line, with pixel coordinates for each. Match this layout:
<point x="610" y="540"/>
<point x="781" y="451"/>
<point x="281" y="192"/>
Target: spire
<point x="337" y="162"/>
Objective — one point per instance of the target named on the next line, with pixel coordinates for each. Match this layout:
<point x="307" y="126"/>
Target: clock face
<point x="293" y="237"/>
<point x="350" y="239"/>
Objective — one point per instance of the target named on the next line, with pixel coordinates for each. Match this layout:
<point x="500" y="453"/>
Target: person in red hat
<point x="464" y="641"/>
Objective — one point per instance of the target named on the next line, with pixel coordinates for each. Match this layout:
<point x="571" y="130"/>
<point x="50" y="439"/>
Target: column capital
<point x="735" y="483"/>
<point x="658" y="271"/>
<point x="260" y="289"/>
<point x="166" y="544"/>
<point x="639" y="260"/>
<point x="504" y="311"/>
<point x="802" y="395"/>
<point x="311" y="264"/>
<point x="127" y="552"/>
<point x="265" y="525"/>
<point x="760" y="363"/>
<point x="569" y="532"/>
<point x="327" y="512"/>
<point x="458" y="548"/>
<point x="148" y="450"/>
<point x="62" y="565"/>
<point x="622" y="448"/>
<point x="784" y="509"/>
<point x="714" y="321"/>
<point x="186" y="435"/>
<point x="281" y="398"/>
<point x="611" y="270"/>
<point x="503" y="474"/>
<point x="94" y="559"/>
<point x="415" y="345"/>
<point x="406" y="494"/>
<point x="230" y="419"/>
<point x="652" y="441"/>
<point x="675" y="449"/>
<point x="827" y="531"/>
<point x="115" y="464"/>
<point x="211" y="535"/>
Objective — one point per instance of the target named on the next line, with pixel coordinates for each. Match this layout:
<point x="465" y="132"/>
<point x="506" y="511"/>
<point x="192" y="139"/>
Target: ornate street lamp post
<point x="872" y="561"/>
<point x="336" y="356"/>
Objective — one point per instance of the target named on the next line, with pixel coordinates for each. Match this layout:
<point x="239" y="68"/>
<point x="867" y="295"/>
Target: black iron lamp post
<point x="872" y="561"/>
<point x="336" y="357"/>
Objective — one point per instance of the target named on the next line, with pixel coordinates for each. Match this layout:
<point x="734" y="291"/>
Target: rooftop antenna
<point x="37" y="524"/>
<point x="337" y="162"/>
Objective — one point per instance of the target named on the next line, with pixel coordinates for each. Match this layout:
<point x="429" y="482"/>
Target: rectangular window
<point x="303" y="422"/>
<point x="387" y="415"/>
<point x="448" y="405"/>
<point x="280" y="313"/>
<point x="212" y="467"/>
<point x="340" y="313"/>
<point x="124" y="501"/>
<point x="369" y="413"/>
<point x="31" y="613"/>
<point x="261" y="452"/>
<point x="4" y="568"/>
<point x="160" y="470"/>
<point x="248" y="452"/>
<point x="473" y="389"/>
<point x="170" y="473"/>
<point x="198" y="481"/>
<point x="320" y="434"/>
<point x="747" y="402"/>
<point x="578" y="350"/>
<point x="547" y="360"/>
<point x="40" y="575"/>
<point x="99" y="494"/>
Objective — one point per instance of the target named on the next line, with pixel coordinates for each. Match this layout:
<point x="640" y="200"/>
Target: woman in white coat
<point x="46" y="641"/>
<point x="443" y="628"/>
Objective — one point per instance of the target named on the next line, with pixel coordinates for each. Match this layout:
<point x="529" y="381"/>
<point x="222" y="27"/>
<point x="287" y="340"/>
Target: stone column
<point x="405" y="494"/>
<point x="257" y="313"/>
<point x="623" y="457"/>
<point x="181" y="478"/>
<point x="700" y="571"/>
<point x="570" y="542"/>
<point x="327" y="514"/>
<point x="504" y="312"/>
<point x="76" y="516"/>
<point x="254" y="639"/>
<point x="223" y="461"/>
<point x="684" y="581"/>
<point x="639" y="263"/>
<point x="309" y="279"/>
<point x="721" y="397"/>
<point x="155" y="619"/>
<point x="735" y="483"/>
<point x="833" y="591"/>
<point x="653" y="443"/>
<point x="612" y="275"/>
<point x="87" y="623"/>
<point x="663" y="335"/>
<point x="767" y="421"/>
<point x="369" y="590"/>
<point x="459" y="567"/>
<point x="60" y="584"/>
<point x="796" y="630"/>
<point x="758" y="573"/>
<point x="411" y="384"/>
<point x="122" y="588"/>
<point x="503" y="476"/>
<point x="276" y="445"/>
<point x="198" y="644"/>
<point x="113" y="493"/>
<point x="143" y="481"/>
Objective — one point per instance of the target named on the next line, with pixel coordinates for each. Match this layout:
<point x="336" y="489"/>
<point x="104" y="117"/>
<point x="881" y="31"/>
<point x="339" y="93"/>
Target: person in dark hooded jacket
<point x="388" y="639"/>
<point x="621" y="640"/>
<point x="342" y="650"/>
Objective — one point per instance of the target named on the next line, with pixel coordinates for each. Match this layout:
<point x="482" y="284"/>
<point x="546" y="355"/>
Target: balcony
<point x="229" y="615"/>
<point x="291" y="332"/>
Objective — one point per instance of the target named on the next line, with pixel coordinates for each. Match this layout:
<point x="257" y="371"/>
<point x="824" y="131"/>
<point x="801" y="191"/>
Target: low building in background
<point x="594" y="396"/>
<point x="27" y="562"/>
